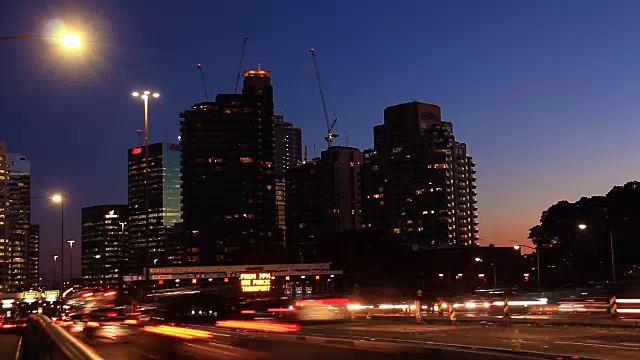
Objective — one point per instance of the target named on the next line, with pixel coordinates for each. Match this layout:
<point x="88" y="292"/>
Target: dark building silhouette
<point x="104" y="233"/>
<point x="288" y="155"/>
<point x="419" y="182"/>
<point x="323" y="198"/>
<point x="164" y="205"/>
<point x="228" y="175"/>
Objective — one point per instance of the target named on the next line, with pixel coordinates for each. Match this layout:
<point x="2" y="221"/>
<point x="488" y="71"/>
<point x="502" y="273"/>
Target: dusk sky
<point x="544" y="93"/>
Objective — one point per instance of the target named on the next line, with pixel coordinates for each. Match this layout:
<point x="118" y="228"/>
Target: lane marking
<point x="598" y="345"/>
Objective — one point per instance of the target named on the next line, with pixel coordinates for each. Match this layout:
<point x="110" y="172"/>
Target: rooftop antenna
<point x="204" y="84"/>
<point x="244" y="43"/>
<point x="306" y="157"/>
<point x="139" y="137"/>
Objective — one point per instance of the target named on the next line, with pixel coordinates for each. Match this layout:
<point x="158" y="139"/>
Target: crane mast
<point x="330" y="123"/>
<point x="244" y="43"/>
<point x="204" y="84"/>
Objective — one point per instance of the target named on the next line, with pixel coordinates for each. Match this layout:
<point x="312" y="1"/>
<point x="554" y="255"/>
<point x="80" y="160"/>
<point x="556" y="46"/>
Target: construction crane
<point x="244" y="43"/>
<point x="330" y="123"/>
<point x="204" y="84"/>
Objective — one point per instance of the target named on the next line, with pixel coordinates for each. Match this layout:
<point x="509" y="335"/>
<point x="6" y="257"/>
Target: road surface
<point x="569" y="341"/>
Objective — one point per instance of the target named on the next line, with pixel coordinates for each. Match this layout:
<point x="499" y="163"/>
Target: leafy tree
<point x="570" y="254"/>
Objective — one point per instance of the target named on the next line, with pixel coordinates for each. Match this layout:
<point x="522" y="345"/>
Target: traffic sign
<point x="419" y="292"/>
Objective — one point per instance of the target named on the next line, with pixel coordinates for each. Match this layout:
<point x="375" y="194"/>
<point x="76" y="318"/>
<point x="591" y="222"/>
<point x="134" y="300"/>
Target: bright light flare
<point x="517" y="247"/>
<point x="470" y="305"/>
<point x="71" y="41"/>
<point x="628" y="301"/>
<point x="56" y="198"/>
<point x="582" y="226"/>
<point x="155" y="95"/>
<point x="135" y="94"/>
<point x="178" y="332"/>
<point x="258" y="325"/>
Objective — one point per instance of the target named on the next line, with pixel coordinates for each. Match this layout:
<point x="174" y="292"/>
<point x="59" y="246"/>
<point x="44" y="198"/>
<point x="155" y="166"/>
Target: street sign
<point x="29" y="294"/>
<point x="51" y="295"/>
<point x="419" y="292"/>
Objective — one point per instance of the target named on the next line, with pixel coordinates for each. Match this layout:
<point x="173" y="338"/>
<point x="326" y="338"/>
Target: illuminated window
<point x="246" y="160"/>
<point x="215" y="160"/>
<point x="268" y="164"/>
<point x="419" y="191"/>
<point x="269" y="187"/>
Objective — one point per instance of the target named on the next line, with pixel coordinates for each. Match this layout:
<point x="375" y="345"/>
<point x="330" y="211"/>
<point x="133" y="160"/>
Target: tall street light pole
<point x="59" y="198"/>
<point x="145" y="97"/>
<point x="495" y="272"/>
<point x="613" y="261"/>
<point x="517" y="247"/>
<point x="71" y="242"/>
<point x="55" y="269"/>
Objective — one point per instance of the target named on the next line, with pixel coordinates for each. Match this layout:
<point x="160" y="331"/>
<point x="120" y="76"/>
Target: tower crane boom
<point x="329" y="122"/>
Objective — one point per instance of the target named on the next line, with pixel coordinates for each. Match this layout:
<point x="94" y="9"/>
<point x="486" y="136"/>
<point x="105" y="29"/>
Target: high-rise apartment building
<point x="323" y="197"/>
<point x="418" y="181"/>
<point x="164" y="205"/>
<point x="5" y="248"/>
<point x="19" y="218"/>
<point x="288" y="155"/>
<point x="104" y="233"/>
<point x="228" y="175"/>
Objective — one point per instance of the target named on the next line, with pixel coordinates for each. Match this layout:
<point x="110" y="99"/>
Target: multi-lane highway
<point x="364" y="340"/>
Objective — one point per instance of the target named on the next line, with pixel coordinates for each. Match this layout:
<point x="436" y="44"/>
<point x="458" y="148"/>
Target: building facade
<point x="228" y="176"/>
<point x="104" y="234"/>
<point x="164" y="205"/>
<point x="419" y="182"/>
<point x="288" y="155"/>
<point x="21" y="264"/>
<point x="5" y="278"/>
<point x="323" y="198"/>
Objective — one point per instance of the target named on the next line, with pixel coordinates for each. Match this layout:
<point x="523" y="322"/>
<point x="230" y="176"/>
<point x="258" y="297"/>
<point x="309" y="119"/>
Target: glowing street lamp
<point x="145" y="98"/>
<point x="582" y="226"/>
<point x="71" y="40"/>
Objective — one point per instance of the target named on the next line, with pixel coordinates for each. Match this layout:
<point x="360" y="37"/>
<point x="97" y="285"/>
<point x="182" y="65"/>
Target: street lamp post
<point x="145" y="98"/>
<point x="69" y="40"/>
<point x="55" y="269"/>
<point x="613" y="263"/>
<point x="495" y="273"/>
<point x="99" y="271"/>
<point x="59" y="198"/>
<point x="517" y="247"/>
<point x="71" y="242"/>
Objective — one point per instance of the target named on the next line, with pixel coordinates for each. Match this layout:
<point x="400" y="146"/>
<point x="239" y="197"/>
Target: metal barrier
<point x="43" y="339"/>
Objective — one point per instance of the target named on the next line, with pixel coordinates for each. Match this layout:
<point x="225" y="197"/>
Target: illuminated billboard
<point x="255" y="282"/>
